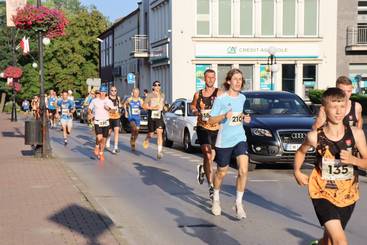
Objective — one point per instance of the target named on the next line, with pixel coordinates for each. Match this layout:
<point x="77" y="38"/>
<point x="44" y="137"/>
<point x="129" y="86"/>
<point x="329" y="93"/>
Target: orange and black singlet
<point x="204" y="106"/>
<point x="351" y="119"/>
<point x="330" y="179"/>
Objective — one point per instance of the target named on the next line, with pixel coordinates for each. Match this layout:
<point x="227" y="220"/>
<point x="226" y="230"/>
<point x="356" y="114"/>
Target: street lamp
<point x="272" y="63"/>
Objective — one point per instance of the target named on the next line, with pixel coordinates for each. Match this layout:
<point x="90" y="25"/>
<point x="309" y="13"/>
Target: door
<point x="170" y="119"/>
<point x="178" y="128"/>
<point x="288" y="77"/>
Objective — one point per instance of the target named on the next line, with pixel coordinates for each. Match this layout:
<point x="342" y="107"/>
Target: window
<point x="203" y="17"/>
<point x="222" y="73"/>
<point x="246" y="16"/>
<point x="310" y="20"/>
<point x="267" y="17"/>
<point x="289" y="17"/>
<point x="247" y="71"/>
<point x="225" y="17"/>
<point x="309" y="78"/>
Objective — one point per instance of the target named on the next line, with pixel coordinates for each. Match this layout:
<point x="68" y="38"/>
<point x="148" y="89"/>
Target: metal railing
<point x="356" y="36"/>
<point x="140" y="44"/>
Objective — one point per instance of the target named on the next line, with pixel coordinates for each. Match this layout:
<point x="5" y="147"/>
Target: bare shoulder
<point x="312" y="137"/>
<point x="220" y="91"/>
<point x="357" y="133"/>
<point x="358" y="106"/>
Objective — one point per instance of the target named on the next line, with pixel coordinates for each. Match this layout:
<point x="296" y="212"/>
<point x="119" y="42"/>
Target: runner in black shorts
<point x="333" y="183"/>
<point x="114" y="119"/>
<point x="154" y="103"/>
<point x="201" y="106"/>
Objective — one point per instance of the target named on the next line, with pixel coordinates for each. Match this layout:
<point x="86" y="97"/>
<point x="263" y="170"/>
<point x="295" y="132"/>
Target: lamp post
<point x="46" y="147"/>
<point x="14" y="60"/>
<point x="272" y="63"/>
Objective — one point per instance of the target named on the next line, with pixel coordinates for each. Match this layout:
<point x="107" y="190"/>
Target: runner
<point x="51" y="105"/>
<point x="114" y="119"/>
<point x="333" y="183"/>
<point x="132" y="107"/>
<point x="154" y="103"/>
<point x="26" y="106"/>
<point x="353" y="115"/>
<point x="201" y="106"/>
<point x="35" y="104"/>
<point x="231" y="141"/>
<point x="101" y="106"/>
<point x="92" y="94"/>
<point x="67" y="108"/>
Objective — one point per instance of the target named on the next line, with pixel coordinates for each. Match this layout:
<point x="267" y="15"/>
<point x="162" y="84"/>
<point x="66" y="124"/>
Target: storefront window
<point x="199" y="75"/>
<point x="225" y="17"/>
<point x="357" y="73"/>
<point x="289" y="17"/>
<point x="309" y="78"/>
<point x="267" y="17"/>
<point x="203" y="17"/>
<point x="246" y="10"/>
<point x="222" y="73"/>
<point x="247" y="71"/>
<point x="311" y="14"/>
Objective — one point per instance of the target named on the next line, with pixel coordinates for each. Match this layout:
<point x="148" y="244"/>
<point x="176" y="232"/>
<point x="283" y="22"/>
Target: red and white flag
<point x="24" y="44"/>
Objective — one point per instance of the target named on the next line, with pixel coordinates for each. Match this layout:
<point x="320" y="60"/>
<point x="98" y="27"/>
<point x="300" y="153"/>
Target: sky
<point x="113" y="9"/>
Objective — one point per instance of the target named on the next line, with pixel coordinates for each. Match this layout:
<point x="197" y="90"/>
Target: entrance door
<point x="288" y="77"/>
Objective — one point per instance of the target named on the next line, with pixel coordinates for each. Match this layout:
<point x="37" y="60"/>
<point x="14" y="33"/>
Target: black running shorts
<point x="154" y="124"/>
<point x="206" y="137"/>
<point x="114" y="123"/>
<point x="101" y="130"/>
<point x="326" y="211"/>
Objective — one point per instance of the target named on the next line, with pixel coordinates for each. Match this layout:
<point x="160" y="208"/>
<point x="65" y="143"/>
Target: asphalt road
<point x="160" y="202"/>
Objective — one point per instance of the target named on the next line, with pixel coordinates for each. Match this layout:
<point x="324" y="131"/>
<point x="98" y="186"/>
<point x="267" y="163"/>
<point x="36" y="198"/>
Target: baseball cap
<point x="103" y="89"/>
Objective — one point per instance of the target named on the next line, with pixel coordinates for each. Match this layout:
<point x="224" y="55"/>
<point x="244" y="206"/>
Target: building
<point x="352" y="41"/>
<point x="279" y="44"/>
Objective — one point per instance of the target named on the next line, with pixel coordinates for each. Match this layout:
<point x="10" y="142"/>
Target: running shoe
<point x="96" y="151"/>
<point x="216" y="209"/>
<point x="146" y="144"/>
<point x="101" y="156"/>
<point x="132" y="144"/>
<point x="65" y="142"/>
<point x="200" y="173"/>
<point x="159" y="155"/>
<point x="114" y="151"/>
<point x="240" y="213"/>
<point x="315" y="242"/>
<point x="117" y="150"/>
<point x="211" y="193"/>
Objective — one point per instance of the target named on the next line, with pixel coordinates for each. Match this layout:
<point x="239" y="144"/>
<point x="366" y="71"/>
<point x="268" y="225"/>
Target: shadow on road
<point x="207" y="232"/>
<point x="87" y="223"/>
<point x="260" y="201"/>
<point x="305" y="238"/>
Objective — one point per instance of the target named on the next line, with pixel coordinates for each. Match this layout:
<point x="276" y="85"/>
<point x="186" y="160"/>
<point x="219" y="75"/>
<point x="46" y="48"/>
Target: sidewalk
<point x="40" y="202"/>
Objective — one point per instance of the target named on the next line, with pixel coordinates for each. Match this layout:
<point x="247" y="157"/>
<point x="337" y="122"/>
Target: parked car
<point x="180" y="125"/>
<point x="279" y="125"/>
<point x="84" y="114"/>
<point x="125" y="125"/>
<point x="78" y="108"/>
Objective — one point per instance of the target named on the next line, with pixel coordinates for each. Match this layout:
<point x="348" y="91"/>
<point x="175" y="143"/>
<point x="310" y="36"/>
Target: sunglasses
<point x="156" y="85"/>
<point x="113" y="90"/>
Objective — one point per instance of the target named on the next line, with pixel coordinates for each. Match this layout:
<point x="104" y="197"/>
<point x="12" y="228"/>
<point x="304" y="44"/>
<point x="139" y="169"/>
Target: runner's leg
<point x="335" y="231"/>
<point x="160" y="142"/>
<point x="242" y="162"/>
<point x="218" y="179"/>
<point x="116" y="131"/>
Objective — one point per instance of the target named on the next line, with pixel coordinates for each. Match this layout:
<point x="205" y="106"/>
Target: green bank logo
<point x="231" y="50"/>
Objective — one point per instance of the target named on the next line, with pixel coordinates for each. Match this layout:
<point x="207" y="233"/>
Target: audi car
<point x="279" y="124"/>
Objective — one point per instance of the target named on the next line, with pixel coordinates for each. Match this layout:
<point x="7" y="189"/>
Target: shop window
<point x="358" y="75"/>
<point x="222" y="73"/>
<point x="309" y="78"/>
<point x="267" y="17"/>
<point x="311" y="16"/>
<point x="246" y="17"/>
<point x="289" y="17"/>
<point x="203" y="17"/>
<point x="225" y="17"/>
<point x="247" y="71"/>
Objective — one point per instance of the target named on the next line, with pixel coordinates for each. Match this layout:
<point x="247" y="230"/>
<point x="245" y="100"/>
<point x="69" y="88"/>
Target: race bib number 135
<point x="333" y="169"/>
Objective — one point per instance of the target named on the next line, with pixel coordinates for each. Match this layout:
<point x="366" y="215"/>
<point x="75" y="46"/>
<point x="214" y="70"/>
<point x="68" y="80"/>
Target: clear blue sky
<point x="113" y="9"/>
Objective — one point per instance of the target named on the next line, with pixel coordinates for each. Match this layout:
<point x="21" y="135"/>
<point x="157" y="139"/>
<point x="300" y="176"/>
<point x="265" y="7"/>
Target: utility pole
<point x="14" y="59"/>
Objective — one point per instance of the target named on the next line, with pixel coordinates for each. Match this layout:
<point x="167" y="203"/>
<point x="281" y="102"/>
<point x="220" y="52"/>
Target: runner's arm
<point x="347" y="157"/>
<point x="320" y="120"/>
<point x="194" y="104"/>
<point x="310" y="141"/>
<point x="359" y="115"/>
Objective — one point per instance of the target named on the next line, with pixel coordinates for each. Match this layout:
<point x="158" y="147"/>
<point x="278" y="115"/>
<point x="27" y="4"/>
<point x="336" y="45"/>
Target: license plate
<point x="291" y="147"/>
<point x="144" y="123"/>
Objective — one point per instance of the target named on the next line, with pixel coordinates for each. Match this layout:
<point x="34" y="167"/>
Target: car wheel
<point x="166" y="141"/>
<point x="187" y="142"/>
<point x="251" y="166"/>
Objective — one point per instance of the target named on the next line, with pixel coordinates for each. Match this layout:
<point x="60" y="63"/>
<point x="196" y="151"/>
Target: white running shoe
<point x="240" y="212"/>
<point x="216" y="209"/>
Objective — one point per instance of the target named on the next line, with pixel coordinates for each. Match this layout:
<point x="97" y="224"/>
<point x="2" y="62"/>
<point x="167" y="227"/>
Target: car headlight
<point x="261" y="132"/>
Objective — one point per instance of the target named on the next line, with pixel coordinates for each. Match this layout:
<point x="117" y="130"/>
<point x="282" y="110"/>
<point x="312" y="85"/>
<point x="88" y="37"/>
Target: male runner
<point x="201" y="106"/>
<point x="114" y="119"/>
<point x="333" y="183"/>
<point x="231" y="141"/>
<point x="101" y="106"/>
<point x="154" y="103"/>
<point x="67" y="108"/>
<point x="132" y="107"/>
<point x="353" y="115"/>
<point x="51" y="105"/>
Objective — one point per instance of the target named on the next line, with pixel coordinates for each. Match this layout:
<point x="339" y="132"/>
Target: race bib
<point x="65" y="111"/>
<point x="333" y="169"/>
<point x="136" y="111"/>
<point x="205" y="114"/>
<point x="156" y="114"/>
<point x="236" y="119"/>
<point x="103" y="123"/>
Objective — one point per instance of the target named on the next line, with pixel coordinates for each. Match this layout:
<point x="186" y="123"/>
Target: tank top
<point x="351" y="119"/>
<point x="204" y="106"/>
<point x="323" y="181"/>
<point x="116" y="103"/>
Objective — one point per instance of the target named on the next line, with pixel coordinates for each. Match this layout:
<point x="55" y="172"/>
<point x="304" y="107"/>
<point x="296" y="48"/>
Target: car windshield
<point x="275" y="104"/>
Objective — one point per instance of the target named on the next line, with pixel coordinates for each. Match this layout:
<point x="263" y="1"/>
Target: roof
<point x="118" y="21"/>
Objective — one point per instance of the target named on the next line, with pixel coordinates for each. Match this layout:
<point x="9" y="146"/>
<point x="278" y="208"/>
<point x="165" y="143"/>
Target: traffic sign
<point x="130" y="78"/>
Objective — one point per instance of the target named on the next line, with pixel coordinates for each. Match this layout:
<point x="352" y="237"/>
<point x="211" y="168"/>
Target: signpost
<point x="131" y="79"/>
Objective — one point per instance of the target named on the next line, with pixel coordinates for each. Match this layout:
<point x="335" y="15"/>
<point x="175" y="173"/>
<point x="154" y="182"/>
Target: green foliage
<point x="9" y="105"/>
<point x="315" y="95"/>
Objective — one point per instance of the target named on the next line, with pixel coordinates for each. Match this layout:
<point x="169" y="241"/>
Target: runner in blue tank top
<point x="231" y="141"/>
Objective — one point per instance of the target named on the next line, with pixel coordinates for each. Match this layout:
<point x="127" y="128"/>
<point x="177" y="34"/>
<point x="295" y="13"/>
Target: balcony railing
<point x="140" y="46"/>
<point x="356" y="39"/>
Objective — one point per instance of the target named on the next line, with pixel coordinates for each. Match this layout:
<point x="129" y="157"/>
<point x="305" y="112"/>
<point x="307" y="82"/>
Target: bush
<point x="9" y="105"/>
<point x="315" y="95"/>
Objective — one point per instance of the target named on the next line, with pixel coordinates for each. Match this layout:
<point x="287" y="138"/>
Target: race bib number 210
<point x="236" y="119"/>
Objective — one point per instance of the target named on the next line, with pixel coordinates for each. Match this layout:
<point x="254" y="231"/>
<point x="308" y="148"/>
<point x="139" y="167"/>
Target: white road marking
<point x="263" y="180"/>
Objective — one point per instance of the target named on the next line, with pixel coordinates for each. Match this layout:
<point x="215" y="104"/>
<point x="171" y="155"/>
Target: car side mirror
<point x="179" y="113"/>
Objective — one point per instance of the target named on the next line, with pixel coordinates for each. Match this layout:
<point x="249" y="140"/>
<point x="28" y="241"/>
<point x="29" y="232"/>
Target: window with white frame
<point x="310" y="17"/>
<point x="267" y="17"/>
<point x="225" y="17"/>
<point x="203" y="17"/>
<point x="289" y="17"/>
<point x="246" y="17"/>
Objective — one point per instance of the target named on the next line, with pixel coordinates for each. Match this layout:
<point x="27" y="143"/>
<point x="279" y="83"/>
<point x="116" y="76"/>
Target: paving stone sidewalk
<point x="39" y="201"/>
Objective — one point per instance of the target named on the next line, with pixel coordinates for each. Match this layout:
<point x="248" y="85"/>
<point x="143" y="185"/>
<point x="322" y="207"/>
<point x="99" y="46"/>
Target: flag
<point x="24" y="44"/>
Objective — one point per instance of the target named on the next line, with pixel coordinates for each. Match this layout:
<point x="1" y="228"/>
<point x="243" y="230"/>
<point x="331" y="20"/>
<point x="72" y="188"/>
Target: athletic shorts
<point x="67" y="122"/>
<point x="326" y="211"/>
<point x="223" y="156"/>
<point x="135" y="120"/>
<point x="114" y="123"/>
<point x="101" y="130"/>
<point x="206" y="137"/>
<point x="52" y="111"/>
<point x="154" y="124"/>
